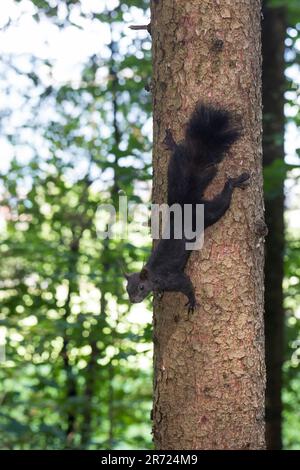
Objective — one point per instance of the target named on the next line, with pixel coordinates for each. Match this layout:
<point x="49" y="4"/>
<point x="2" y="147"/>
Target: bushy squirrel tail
<point x="210" y="132"/>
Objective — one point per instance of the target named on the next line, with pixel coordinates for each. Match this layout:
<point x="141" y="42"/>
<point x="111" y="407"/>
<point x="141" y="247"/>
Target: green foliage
<point x="77" y="368"/>
<point x="292" y="350"/>
<point x="292" y="8"/>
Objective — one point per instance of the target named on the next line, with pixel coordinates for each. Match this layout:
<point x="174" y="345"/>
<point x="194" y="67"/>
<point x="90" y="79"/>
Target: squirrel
<point x="210" y="132"/>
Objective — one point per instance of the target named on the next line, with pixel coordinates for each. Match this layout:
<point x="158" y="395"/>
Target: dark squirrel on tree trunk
<point x="210" y="132"/>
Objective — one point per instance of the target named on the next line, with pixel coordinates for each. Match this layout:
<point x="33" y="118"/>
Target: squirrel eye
<point x="141" y="287"/>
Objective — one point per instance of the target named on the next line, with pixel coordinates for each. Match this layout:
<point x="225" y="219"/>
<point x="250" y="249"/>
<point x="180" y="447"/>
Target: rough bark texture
<point x="209" y="369"/>
<point x="273" y="37"/>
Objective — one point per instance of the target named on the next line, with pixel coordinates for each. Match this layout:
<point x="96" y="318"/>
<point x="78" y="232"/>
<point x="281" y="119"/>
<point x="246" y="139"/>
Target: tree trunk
<point x="70" y="382"/>
<point x="209" y="369"/>
<point x="273" y="37"/>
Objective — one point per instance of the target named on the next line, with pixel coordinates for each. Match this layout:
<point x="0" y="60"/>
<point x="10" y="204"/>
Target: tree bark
<point x="209" y="376"/>
<point x="273" y="37"/>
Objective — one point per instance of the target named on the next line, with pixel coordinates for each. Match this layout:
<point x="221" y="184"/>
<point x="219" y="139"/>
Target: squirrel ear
<point x="127" y="276"/>
<point x="144" y="274"/>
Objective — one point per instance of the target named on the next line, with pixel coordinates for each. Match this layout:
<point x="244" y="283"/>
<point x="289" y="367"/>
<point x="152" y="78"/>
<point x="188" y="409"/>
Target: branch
<point x="137" y="27"/>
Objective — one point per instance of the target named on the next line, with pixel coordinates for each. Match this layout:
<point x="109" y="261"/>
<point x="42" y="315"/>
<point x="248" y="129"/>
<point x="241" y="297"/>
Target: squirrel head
<point x="138" y="285"/>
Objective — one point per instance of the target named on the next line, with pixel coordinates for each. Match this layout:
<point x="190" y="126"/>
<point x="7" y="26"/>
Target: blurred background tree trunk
<point x="209" y="369"/>
<point x="273" y="45"/>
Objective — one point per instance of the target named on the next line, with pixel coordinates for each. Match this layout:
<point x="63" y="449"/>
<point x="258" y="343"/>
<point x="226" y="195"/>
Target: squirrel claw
<point x="191" y="305"/>
<point x="160" y="295"/>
